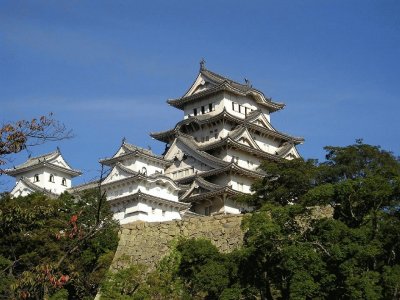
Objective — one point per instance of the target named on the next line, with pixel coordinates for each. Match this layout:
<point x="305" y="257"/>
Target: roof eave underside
<point x="179" y="103"/>
<point x="16" y="171"/>
<point x="140" y="194"/>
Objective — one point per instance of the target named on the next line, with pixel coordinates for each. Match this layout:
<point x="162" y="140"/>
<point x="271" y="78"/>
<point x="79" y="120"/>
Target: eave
<point x="16" y="171"/>
<point x="140" y="195"/>
<point x="226" y="86"/>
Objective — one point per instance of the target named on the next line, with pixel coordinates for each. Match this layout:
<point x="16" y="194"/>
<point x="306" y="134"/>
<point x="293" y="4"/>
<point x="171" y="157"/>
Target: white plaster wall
<point x="143" y="211"/>
<point x="185" y="168"/>
<point x="44" y="176"/>
<point x="207" y="132"/>
<point x="121" y="190"/>
<point x="241" y="183"/>
<point x="138" y="163"/>
<point x="214" y="99"/>
<point x="247" y="102"/>
<point x="243" y="159"/>
<point x="266" y="144"/>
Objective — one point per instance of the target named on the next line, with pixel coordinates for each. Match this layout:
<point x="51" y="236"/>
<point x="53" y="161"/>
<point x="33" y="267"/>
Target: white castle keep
<point x="211" y="157"/>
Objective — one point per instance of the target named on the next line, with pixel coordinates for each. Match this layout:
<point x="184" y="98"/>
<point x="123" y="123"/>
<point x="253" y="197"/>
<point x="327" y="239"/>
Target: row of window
<point x="203" y="109"/>
<point x="36" y="178"/>
<point x="241" y="108"/>
<point x="207" y="137"/>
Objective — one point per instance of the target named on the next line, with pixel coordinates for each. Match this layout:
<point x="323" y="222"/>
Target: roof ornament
<point x="202" y="64"/>
<point x="248" y="83"/>
<point x="58" y="149"/>
<point x="123" y="140"/>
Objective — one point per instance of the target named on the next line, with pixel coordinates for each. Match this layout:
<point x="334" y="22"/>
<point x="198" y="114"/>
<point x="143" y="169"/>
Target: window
<point x="195" y="111"/>
<point x="203" y="110"/>
<point x="210" y="107"/>
<point x="36" y="178"/>
<point x="233" y="106"/>
<point x="144" y="171"/>
<point x="240" y="109"/>
<point x="153" y="210"/>
<point x="216" y="135"/>
<point x="207" y="138"/>
<point x="64" y="182"/>
<point x="51" y="178"/>
<point x="163" y="213"/>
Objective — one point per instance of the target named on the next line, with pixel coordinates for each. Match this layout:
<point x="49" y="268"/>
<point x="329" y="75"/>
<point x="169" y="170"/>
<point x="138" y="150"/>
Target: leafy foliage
<point x="51" y="244"/>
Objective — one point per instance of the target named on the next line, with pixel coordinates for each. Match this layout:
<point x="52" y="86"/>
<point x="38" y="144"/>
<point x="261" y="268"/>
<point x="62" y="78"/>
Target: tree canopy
<point x="53" y="248"/>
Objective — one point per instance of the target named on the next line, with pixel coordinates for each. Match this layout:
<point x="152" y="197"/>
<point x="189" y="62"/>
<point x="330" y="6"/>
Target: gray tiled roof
<point x="166" y="136"/>
<point x="42" y="160"/>
<point x="222" y="83"/>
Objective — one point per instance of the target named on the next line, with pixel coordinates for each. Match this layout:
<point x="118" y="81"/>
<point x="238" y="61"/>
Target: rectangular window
<point x="203" y="110"/>
<point x="207" y="138"/>
<point x="240" y="109"/>
<point x="195" y="111"/>
<point x="233" y="106"/>
<point x="210" y="107"/>
<point x="216" y="135"/>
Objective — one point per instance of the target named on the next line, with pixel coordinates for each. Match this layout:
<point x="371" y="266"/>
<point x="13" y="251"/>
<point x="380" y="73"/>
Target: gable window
<point x="195" y="111"/>
<point x="51" y="178"/>
<point x="64" y="182"/>
<point x="36" y="178"/>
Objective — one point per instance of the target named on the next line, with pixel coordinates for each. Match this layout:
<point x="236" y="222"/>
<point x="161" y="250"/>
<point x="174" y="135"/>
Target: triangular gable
<point x="199" y="186"/>
<point x="178" y="149"/>
<point x="117" y="173"/>
<point x="200" y="84"/>
<point x="60" y="161"/>
<point x="291" y="154"/>
<point x="21" y="189"/>
<point x="245" y="138"/>
<point x="262" y="121"/>
<point x="121" y="151"/>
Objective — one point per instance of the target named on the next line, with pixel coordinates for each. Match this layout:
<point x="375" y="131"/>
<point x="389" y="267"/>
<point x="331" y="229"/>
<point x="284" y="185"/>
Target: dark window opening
<point x="36" y="178"/>
<point x="203" y="110"/>
<point x="210" y="107"/>
<point x="195" y="111"/>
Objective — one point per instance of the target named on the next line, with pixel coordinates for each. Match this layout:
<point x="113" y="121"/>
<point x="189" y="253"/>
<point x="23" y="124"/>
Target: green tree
<point x="352" y="255"/>
<point x="52" y="244"/>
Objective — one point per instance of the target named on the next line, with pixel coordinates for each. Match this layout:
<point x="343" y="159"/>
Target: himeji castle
<point x="211" y="156"/>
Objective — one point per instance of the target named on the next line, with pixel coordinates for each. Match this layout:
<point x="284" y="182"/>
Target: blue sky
<point x="106" y="68"/>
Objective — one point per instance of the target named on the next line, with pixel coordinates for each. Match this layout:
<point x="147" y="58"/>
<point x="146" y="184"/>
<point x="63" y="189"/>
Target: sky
<point x="106" y="68"/>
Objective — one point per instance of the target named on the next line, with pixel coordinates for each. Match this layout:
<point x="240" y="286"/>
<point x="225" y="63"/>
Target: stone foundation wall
<point x="147" y="243"/>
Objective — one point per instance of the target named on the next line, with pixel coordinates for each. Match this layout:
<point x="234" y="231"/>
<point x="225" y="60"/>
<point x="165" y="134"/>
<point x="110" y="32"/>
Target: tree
<point x="354" y="254"/>
<point x="22" y="134"/>
<point x="53" y="246"/>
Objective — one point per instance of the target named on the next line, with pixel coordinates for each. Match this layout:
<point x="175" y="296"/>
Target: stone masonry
<point x="147" y="243"/>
